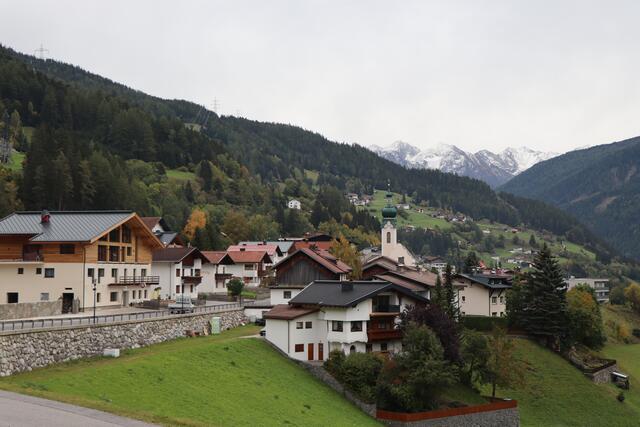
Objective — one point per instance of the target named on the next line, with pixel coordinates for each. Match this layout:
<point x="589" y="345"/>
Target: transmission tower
<point x="40" y="52"/>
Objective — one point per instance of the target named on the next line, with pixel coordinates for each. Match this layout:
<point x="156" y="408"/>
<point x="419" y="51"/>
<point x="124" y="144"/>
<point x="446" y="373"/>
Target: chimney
<point x="45" y="217"/>
<point x="346" y="286"/>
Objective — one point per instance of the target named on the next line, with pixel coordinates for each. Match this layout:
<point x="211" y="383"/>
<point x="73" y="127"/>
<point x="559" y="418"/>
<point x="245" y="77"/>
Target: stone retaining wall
<point x="602" y="376"/>
<point x="25" y="310"/>
<point x="25" y="350"/>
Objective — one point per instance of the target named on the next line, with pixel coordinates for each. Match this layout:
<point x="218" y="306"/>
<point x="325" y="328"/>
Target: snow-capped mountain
<point x="493" y="168"/>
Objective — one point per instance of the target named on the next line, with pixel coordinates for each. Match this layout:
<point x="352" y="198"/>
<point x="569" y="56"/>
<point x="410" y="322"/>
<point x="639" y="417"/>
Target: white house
<point x="600" y="286"/>
<point x="179" y="270"/>
<point x="214" y="273"/>
<point x="294" y="204"/>
<point x="350" y="316"/>
<point x="249" y="266"/>
<point x="482" y="294"/>
<point x="272" y="249"/>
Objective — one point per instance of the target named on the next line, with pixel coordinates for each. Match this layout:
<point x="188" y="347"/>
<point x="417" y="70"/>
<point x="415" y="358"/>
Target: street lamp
<point x="95" y="288"/>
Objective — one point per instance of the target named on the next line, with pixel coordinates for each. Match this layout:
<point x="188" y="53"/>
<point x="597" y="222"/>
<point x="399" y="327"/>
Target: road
<point x="18" y="410"/>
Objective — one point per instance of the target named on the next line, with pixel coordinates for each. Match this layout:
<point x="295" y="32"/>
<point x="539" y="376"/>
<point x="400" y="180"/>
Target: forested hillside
<point x="599" y="185"/>
<point x="91" y="143"/>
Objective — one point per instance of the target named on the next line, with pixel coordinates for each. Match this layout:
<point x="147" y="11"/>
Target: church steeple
<point x="389" y="212"/>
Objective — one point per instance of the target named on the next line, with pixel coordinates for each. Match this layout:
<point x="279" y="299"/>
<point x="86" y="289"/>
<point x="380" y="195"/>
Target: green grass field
<point x="616" y="318"/>
<point x="557" y="394"/>
<point x="628" y="357"/>
<point x="180" y="175"/>
<point x="218" y="380"/>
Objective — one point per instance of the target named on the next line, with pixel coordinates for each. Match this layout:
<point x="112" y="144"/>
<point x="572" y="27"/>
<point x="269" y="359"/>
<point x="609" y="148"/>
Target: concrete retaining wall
<point x="24" y="310"/>
<point x="26" y="350"/>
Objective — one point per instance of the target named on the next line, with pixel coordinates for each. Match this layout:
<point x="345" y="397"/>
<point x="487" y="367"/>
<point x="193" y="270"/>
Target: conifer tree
<point x="438" y="294"/>
<point x="545" y="308"/>
<point x="450" y="306"/>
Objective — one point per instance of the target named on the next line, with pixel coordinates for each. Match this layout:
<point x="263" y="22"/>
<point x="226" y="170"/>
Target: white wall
<point x="277" y="295"/>
<point x="474" y="300"/>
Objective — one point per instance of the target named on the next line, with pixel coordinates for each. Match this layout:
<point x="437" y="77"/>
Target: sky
<point x="549" y="75"/>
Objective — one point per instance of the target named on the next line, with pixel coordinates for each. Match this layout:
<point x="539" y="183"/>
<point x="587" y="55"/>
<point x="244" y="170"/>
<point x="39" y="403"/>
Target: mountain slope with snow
<point x="493" y="168"/>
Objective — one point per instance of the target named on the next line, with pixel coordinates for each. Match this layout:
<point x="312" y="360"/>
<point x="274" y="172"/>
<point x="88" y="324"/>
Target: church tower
<point x="389" y="236"/>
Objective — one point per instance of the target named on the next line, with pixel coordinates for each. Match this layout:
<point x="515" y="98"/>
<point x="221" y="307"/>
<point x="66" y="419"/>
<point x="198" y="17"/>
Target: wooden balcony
<point x="191" y="280"/>
<point x="384" y="334"/>
<point x="136" y="281"/>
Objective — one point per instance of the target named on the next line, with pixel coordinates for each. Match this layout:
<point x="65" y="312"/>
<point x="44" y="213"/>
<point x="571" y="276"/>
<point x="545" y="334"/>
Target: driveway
<point x="26" y="411"/>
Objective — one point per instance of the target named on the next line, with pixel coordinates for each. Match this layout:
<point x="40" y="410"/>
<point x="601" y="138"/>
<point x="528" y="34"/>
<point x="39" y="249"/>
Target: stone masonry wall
<point x="26" y="350"/>
<point x="603" y="375"/>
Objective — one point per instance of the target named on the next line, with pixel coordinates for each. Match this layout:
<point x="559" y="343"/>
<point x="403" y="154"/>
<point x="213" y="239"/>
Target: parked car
<point x="263" y="332"/>
<point x="260" y="322"/>
<point x="183" y="304"/>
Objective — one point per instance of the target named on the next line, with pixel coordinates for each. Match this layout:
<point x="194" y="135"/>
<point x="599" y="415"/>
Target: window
<point x="128" y="250"/>
<point x="464" y="299"/>
<point x="400" y="260"/>
<point x="494" y="300"/>
<point x="114" y="254"/>
<point x="91" y="272"/>
<point x="286" y="294"/>
<point x="336" y="325"/>
<point x="356" y="326"/>
<point x="38" y="270"/>
<point x="177" y="272"/>
<point x="143" y="272"/>
<point x="494" y="314"/>
<point x="98" y="297"/>
<point x="177" y="289"/>
<point x="126" y="234"/>
<point x="352" y="349"/>
<point x="145" y="293"/>
<point x="308" y="325"/>
<point x="12" y="297"/>
<point x="501" y="300"/>
<point x="44" y="296"/>
<point x="100" y="273"/>
<point x="249" y="266"/>
<point x="388" y="237"/>
<point x="114" y="235"/>
<point x="383" y="346"/>
<point x="49" y="272"/>
<point x="123" y="251"/>
<point x="191" y="288"/>
<point x="368" y="348"/>
<point x="67" y="248"/>
<point x="298" y="325"/>
<point x="102" y="253"/>
<point x="196" y="272"/>
<point x="113" y="296"/>
<point x="20" y="270"/>
<point x="299" y="348"/>
<point x="114" y="272"/>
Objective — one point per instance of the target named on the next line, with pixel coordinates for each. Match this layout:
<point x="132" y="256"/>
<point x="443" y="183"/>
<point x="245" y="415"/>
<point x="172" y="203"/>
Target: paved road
<point x="17" y="410"/>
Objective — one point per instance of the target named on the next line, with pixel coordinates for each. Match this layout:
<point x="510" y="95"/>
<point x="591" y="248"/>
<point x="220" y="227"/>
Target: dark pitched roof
<point x="287" y="312"/>
<point x="240" y="257"/>
<point x="324" y="258"/>
<point x="382" y="261"/>
<point x="64" y="226"/>
<point x="217" y="257"/>
<point x="174" y="254"/>
<point x="400" y="281"/>
<point x="150" y="221"/>
<point x="283" y="245"/>
<point x="336" y="293"/>
<point x="490" y="281"/>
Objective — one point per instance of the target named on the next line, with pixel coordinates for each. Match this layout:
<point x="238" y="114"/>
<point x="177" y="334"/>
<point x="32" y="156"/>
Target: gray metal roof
<point x="491" y="282"/>
<point x="63" y="226"/>
<point x="336" y="293"/>
<point x="284" y="246"/>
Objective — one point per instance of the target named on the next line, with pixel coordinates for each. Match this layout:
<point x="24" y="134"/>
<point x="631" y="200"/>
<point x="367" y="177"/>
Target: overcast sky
<point x="551" y="75"/>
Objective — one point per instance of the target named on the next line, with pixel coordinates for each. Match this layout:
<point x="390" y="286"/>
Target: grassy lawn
<point x="15" y="164"/>
<point x="616" y="317"/>
<point x="180" y="175"/>
<point x="218" y="380"/>
<point x="557" y="394"/>
<point x="628" y="357"/>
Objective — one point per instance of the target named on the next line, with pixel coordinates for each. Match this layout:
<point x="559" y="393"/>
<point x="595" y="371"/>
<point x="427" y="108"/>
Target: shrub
<point x="440" y="323"/>
<point x="359" y="373"/>
<point x="620" y="397"/>
<point x="483" y="323"/>
<point x="235" y="287"/>
<point x="334" y="363"/>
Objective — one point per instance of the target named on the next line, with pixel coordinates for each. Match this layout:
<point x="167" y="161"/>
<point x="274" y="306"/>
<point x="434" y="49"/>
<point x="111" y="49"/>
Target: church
<point x="389" y="236"/>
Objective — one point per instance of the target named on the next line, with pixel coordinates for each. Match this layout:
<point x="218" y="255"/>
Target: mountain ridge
<point x="493" y="168"/>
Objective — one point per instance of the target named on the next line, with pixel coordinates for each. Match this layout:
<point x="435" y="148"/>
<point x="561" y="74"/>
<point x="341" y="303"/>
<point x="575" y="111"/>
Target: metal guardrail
<point x="58" y="322"/>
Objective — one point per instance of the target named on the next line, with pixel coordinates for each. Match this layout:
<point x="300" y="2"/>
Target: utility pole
<point x="40" y="52"/>
<point x="216" y="105"/>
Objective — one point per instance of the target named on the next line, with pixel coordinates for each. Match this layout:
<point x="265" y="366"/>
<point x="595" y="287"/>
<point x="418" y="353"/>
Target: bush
<point x="359" y="374"/>
<point x="483" y="323"/>
<point x="235" y="287"/>
<point x="334" y="363"/>
<point x="620" y="397"/>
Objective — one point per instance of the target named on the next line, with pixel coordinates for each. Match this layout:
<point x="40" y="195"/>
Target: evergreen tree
<point x="532" y="241"/>
<point x="438" y="293"/>
<point x="450" y="305"/>
<point x="206" y="175"/>
<point x="544" y="311"/>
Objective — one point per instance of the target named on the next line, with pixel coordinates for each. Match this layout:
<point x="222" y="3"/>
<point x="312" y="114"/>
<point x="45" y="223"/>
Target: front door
<point x="125" y="298"/>
<point x="67" y="303"/>
<point x="320" y="351"/>
<point x="310" y="352"/>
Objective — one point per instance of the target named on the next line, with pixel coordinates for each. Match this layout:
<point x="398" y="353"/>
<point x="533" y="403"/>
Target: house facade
<point x="249" y="266"/>
<point x="482" y="295"/>
<point x="179" y="270"/>
<point x="599" y="286"/>
<point x="294" y="204"/>
<point x="214" y="273"/>
<point x="49" y="256"/>
<point x="349" y="316"/>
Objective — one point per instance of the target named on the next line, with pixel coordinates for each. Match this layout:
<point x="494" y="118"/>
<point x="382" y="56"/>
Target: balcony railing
<point x="191" y="279"/>
<point x="383" y="334"/>
<point x="136" y="280"/>
<point x="386" y="308"/>
<point x="32" y="256"/>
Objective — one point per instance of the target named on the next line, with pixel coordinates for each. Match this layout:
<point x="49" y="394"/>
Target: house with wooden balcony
<point x="250" y="266"/>
<point x="57" y="258"/>
<point x="350" y="316"/>
<point x="179" y="270"/>
<point x="214" y="272"/>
